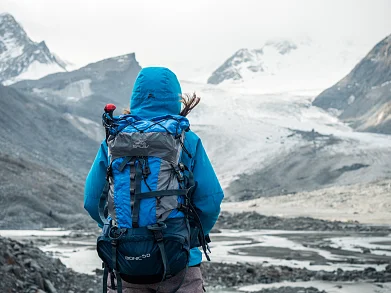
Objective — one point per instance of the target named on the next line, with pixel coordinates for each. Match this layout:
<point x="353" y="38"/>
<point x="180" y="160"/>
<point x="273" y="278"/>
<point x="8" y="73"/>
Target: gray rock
<point x="16" y="271"/>
<point x="49" y="286"/>
<point x="322" y="275"/>
<point x="39" y="281"/>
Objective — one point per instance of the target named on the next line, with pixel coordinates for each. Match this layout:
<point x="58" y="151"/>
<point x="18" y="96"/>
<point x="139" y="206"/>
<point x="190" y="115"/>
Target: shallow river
<point x="312" y="250"/>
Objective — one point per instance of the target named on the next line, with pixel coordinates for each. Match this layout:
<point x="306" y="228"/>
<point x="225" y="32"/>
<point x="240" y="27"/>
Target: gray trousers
<point x="192" y="283"/>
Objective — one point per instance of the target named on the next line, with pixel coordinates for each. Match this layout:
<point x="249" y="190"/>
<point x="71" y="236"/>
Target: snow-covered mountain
<point x="285" y="65"/>
<point x="260" y="144"/>
<point x="363" y="98"/>
<point x="273" y="144"/>
<point x="20" y="57"/>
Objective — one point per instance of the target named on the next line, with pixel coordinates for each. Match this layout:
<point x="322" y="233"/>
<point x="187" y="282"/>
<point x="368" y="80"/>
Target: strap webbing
<point x="102" y="203"/>
<point x="115" y="266"/>
<point x="112" y="280"/>
<point x="167" y="271"/>
<point x="191" y="183"/>
<point x="160" y="193"/>
<point x="119" y="282"/>
<point x="105" y="277"/>
<point x="204" y="245"/>
<point x="114" y="253"/>
<point x="132" y="183"/>
<point x="124" y="162"/>
<point x="137" y="200"/>
<point x="183" y="278"/>
<point x="157" y="233"/>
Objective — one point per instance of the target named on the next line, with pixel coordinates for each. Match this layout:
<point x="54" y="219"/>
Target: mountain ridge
<point x="84" y="92"/>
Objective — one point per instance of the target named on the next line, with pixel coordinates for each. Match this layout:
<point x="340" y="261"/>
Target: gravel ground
<point x="254" y="220"/>
<point x="26" y="269"/>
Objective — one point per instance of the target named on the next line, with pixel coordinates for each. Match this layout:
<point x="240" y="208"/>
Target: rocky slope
<point x="363" y="97"/>
<point x="20" y="57"/>
<point x="38" y="131"/>
<point x="324" y="161"/>
<point x="35" y="196"/>
<point x="44" y="161"/>
<point x="48" y="142"/>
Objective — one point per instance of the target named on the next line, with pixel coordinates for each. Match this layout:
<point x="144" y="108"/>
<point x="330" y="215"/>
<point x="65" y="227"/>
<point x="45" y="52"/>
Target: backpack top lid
<point x="171" y="124"/>
<point x="156" y="92"/>
<point x="160" y="136"/>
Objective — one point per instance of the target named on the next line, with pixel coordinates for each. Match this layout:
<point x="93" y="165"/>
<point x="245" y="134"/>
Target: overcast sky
<point x="191" y="33"/>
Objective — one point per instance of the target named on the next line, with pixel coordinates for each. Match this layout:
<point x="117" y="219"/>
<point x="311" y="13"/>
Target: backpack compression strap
<point x="102" y="203"/>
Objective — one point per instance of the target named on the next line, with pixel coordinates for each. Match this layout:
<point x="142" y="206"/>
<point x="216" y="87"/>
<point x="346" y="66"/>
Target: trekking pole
<point x="108" y="118"/>
<point x="109" y="109"/>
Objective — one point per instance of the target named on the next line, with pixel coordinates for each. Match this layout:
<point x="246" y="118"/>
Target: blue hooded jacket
<point x="156" y="92"/>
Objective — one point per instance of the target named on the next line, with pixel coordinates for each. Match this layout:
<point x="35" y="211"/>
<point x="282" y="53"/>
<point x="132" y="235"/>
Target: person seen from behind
<point x="160" y="193"/>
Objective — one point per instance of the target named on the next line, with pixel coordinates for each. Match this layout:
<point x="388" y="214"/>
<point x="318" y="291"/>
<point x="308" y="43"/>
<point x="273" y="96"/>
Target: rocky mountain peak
<point x="245" y="62"/>
<point x="20" y="57"/>
<point x="289" y="64"/>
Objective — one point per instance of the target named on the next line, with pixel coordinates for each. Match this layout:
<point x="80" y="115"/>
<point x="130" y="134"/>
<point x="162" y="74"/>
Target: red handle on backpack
<point x="109" y="109"/>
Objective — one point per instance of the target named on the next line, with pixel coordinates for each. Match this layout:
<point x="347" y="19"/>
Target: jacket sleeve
<point x="209" y="194"/>
<point x="95" y="182"/>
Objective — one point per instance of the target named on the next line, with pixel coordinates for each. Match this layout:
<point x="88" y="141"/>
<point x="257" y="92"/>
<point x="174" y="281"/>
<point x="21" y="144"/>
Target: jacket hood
<point x="156" y="92"/>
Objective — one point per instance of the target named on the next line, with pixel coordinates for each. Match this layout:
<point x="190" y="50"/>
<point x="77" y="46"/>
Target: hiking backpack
<point x="150" y="223"/>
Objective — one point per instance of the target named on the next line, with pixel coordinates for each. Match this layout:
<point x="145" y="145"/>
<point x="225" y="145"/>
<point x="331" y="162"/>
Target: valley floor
<point x="250" y="252"/>
<point x="366" y="203"/>
<point x="311" y="242"/>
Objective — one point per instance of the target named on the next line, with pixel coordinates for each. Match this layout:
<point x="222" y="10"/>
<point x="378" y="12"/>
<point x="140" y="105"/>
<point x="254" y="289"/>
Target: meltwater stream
<point x="313" y="250"/>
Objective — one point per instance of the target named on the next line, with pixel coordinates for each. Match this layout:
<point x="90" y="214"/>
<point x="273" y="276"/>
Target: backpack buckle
<point x="146" y="171"/>
<point x="159" y="226"/>
<point x="158" y="235"/>
<point x="181" y="167"/>
<point x="179" y="175"/>
<point x="156" y="229"/>
<point x="109" y="172"/>
<point x="183" y="208"/>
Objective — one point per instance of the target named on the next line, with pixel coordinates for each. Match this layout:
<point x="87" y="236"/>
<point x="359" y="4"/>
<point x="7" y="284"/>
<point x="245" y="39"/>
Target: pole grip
<point x="109" y="109"/>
